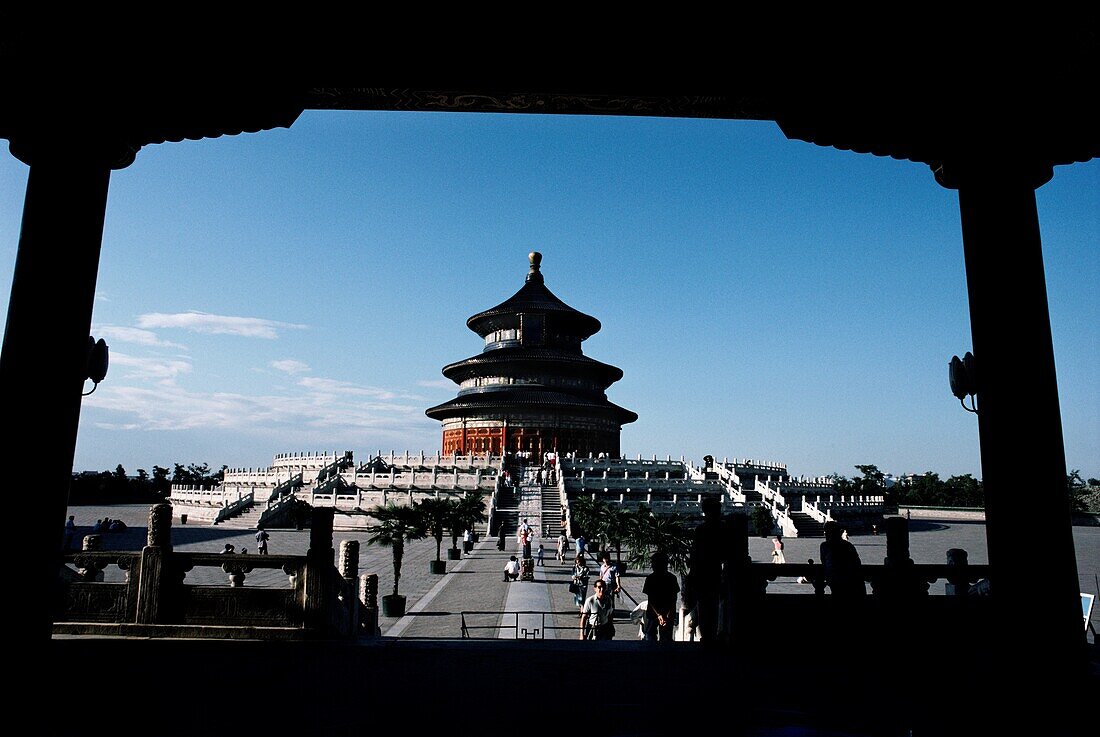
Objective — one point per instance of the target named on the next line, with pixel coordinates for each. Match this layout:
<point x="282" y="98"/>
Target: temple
<point x="532" y="389"/>
<point x="990" y="114"/>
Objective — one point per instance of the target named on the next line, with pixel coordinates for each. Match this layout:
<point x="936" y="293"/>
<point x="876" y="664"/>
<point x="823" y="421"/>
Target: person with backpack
<point x="261" y="541"/>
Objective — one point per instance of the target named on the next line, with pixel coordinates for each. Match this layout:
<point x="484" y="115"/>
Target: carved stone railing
<point x="231" y="510"/>
<point x="155" y="599"/>
<point x="280" y="502"/>
<point x="898" y="588"/>
<point x="444" y="462"/>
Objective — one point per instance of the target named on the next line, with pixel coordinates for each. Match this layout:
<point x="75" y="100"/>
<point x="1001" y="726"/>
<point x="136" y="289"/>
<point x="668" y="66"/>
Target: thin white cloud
<point x="204" y="322"/>
<point x="290" y="366"/>
<point x="321" y="386"/>
<point x="124" y="334"/>
<point x="160" y="369"/>
<point x="118" y="426"/>
<point x="145" y="396"/>
<point x="171" y="407"/>
<point x="437" y="384"/>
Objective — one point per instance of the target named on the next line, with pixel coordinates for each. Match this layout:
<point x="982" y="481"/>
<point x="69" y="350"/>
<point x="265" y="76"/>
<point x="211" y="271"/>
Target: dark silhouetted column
<point x="1034" y="569"/>
<point x="45" y="355"/>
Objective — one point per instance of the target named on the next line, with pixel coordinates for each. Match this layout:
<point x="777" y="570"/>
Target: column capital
<point x="41" y="147"/>
<point x="961" y="171"/>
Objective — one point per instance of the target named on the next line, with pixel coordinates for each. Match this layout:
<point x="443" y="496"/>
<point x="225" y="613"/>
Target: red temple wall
<point x="537" y="440"/>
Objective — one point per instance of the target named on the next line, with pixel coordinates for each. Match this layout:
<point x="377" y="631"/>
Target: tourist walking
<point x="777" y="553"/>
<point x="661" y="588"/>
<point x="524" y="536"/>
<point x="609" y="574"/>
<point x="580" y="543"/>
<point x="525" y="543"/>
<point x="580" y="580"/>
<point x="538" y="557"/>
<point x="596" y="614"/>
<point x="261" y="541"/>
<point x="563" y="543"/>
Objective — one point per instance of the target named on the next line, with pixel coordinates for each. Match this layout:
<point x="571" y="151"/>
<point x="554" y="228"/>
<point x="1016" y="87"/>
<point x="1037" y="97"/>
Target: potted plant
<point x="397" y="524"/>
<point x="436" y="514"/>
<point x="455" y="525"/>
<point x="469" y="512"/>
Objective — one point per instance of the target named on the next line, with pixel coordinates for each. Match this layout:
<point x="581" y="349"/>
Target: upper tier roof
<point x="534" y="298"/>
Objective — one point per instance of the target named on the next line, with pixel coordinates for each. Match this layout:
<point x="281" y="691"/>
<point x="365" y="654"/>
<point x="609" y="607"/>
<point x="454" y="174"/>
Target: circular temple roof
<point x="533" y="298"/>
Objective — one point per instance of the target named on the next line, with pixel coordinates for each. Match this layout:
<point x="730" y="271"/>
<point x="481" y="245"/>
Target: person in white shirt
<point x="511" y="569"/>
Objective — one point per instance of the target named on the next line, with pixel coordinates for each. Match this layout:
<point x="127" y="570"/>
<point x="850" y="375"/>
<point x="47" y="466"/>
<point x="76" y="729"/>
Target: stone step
<point x="245" y="519"/>
<point x="807" y="526"/>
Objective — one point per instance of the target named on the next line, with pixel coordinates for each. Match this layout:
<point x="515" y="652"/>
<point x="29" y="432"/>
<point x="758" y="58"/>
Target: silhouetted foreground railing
<point x="322" y="600"/>
<point x="533" y="626"/>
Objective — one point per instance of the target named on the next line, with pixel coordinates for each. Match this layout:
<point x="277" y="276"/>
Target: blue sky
<point x="301" y="289"/>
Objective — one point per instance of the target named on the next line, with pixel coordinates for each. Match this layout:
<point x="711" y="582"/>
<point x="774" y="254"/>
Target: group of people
<point x="709" y="554"/>
<point x="661" y="589"/>
<point x="108" y="525"/>
<point x="101" y="526"/>
<point x="262" y="537"/>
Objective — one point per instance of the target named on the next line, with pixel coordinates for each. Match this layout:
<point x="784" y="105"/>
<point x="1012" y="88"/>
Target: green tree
<point x="651" y="532"/>
<point x="963" y="491"/>
<point x="615" y="525"/>
<point x="921" y="491"/>
<point x="1077" y="490"/>
<point x="161" y="485"/>
<point x="842" y="484"/>
<point x="587" y="514"/>
<point x="762" y="521"/>
<point x="437" y="514"/>
<point x="119" y="484"/>
<point x="397" y="524"/>
<point x="469" y="511"/>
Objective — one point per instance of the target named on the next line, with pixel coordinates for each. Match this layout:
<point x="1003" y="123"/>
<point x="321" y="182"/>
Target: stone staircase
<point x="246" y="519"/>
<point x="806" y="525"/>
<point x="551" y="510"/>
<point x="506" y="515"/>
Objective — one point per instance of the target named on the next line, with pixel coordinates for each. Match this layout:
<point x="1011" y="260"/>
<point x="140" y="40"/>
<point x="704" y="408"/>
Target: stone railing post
<point x="349" y="571"/>
<point x="349" y="559"/>
<point x="90" y="570"/>
<point x="958" y="583"/>
<point x="368" y="605"/>
<point x="317" y="589"/>
<point x="152" y="578"/>
<point x="899" y="577"/>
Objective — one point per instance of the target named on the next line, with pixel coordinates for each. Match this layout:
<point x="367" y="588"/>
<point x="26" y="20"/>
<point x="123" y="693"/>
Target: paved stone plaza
<point x="475" y="583"/>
